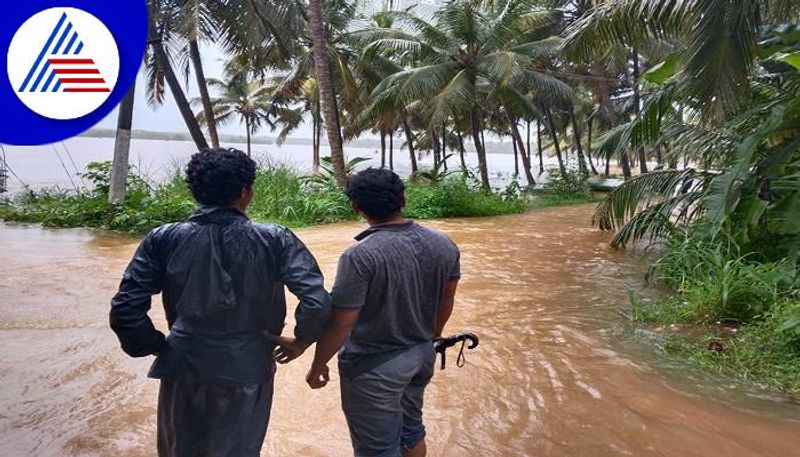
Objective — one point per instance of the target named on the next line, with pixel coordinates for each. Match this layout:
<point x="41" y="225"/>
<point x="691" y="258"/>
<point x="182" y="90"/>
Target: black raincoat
<point x="222" y="281"/>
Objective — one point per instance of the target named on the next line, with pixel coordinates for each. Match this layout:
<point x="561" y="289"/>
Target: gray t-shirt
<point x="396" y="274"/>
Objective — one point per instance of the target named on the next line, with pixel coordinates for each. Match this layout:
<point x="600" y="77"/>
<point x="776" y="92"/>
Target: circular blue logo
<point x="66" y="65"/>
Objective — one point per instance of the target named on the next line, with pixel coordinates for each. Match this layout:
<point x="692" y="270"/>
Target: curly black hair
<point x="378" y="192"/>
<point x="216" y="177"/>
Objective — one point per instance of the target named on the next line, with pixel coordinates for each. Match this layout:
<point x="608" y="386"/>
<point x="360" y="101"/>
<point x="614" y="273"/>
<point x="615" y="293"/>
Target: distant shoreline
<point x="491" y="147"/>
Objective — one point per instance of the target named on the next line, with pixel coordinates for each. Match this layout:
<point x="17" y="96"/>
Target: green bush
<point x="144" y="208"/>
<point x="281" y="196"/>
<point x="571" y="184"/>
<point x="455" y="197"/>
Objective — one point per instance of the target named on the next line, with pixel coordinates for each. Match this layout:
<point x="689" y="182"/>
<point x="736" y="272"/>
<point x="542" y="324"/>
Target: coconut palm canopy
<point x="704" y="91"/>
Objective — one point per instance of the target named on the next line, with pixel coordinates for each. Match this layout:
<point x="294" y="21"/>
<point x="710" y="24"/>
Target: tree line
<point x="636" y="82"/>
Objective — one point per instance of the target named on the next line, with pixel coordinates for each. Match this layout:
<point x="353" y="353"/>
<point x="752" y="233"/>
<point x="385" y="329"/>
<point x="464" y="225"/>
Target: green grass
<point x="748" y="309"/>
<point x="759" y="353"/>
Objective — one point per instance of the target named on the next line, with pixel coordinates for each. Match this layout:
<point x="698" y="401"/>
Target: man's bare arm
<point x="341" y="325"/>
<point x="446" y="308"/>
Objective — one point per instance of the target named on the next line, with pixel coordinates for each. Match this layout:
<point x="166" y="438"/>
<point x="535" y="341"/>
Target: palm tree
<point x="328" y="103"/>
<point x="160" y="70"/>
<point x="240" y="27"/>
<point x="715" y="41"/>
<point x="454" y="62"/>
<point x="249" y="102"/>
<point x="298" y="85"/>
<point x="196" y="22"/>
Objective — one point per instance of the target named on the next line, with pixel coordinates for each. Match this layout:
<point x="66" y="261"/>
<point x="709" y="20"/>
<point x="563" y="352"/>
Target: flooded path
<point x="555" y="375"/>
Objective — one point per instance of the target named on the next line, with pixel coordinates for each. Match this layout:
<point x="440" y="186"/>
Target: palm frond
<point x="658" y="221"/>
<point x="624" y="202"/>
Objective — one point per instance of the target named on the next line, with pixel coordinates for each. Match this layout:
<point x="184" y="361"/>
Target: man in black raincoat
<point x="222" y="281"/>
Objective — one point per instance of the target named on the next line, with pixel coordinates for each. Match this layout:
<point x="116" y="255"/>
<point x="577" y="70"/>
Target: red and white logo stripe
<point x="78" y="75"/>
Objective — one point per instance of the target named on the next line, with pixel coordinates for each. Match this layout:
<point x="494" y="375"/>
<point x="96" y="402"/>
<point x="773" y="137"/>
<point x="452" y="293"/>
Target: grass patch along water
<point x="732" y="313"/>
<point x="282" y="196"/>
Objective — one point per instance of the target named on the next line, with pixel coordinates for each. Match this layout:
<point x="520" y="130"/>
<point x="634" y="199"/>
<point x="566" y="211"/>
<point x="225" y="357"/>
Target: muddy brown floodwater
<point x="556" y="374"/>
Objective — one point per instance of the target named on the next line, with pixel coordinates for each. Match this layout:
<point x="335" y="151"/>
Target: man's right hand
<point x="318" y="376"/>
<point x="287" y="348"/>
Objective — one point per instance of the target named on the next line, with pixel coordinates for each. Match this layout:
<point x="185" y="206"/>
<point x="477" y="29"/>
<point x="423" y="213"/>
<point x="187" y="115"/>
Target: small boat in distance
<point x="600" y="184"/>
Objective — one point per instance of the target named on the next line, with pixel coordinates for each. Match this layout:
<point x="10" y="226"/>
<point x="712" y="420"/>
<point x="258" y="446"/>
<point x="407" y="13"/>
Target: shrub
<point x="456" y="198"/>
<point x="574" y="183"/>
<point x="718" y="282"/>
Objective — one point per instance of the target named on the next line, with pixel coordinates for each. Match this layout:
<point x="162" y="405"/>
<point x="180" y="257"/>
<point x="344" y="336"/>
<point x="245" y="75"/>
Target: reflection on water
<point x="552" y="376"/>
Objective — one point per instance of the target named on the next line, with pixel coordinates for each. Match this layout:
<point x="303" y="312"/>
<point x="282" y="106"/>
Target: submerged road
<point x="556" y="373"/>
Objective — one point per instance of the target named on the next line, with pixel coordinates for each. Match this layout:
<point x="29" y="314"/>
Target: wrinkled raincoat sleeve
<point x="301" y="274"/>
<point x="128" y="317"/>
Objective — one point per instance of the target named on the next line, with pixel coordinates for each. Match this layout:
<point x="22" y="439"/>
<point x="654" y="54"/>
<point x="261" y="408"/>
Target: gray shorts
<point x="383" y="406"/>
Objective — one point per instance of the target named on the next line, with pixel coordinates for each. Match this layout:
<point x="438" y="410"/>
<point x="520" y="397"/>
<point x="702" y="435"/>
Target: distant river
<point x="60" y="164"/>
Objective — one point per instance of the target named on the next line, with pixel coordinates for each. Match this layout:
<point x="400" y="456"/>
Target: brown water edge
<point x="552" y="376"/>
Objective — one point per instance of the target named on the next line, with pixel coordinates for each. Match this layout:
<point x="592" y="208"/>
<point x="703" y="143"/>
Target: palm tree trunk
<point x="516" y="157"/>
<point x="391" y="151"/>
<point x="625" y="163"/>
<point x="202" y="86"/>
<point x="247" y="126"/>
<point x="412" y="154"/>
<point x="462" y="151"/>
<point x="477" y="135"/>
<point x="520" y="146"/>
<point x="317" y="137"/>
<point x="528" y="134"/>
<point x="383" y="148"/>
<point x="554" y="136"/>
<point x="636" y="103"/>
<point x="589" y="146"/>
<point x="444" y="146"/>
<point x="437" y="152"/>
<point x="122" y="146"/>
<point x="162" y="60"/>
<point x="327" y="97"/>
<point x="576" y="131"/>
<point x="539" y="145"/>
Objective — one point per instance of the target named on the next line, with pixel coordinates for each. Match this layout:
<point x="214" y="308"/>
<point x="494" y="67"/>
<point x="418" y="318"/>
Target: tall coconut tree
<point x="297" y="83"/>
<point x="716" y="42"/>
<point x="328" y="104"/>
<point x="122" y="146"/>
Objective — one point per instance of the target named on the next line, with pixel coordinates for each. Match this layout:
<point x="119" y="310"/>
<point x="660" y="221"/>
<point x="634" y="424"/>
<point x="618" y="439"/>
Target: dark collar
<point x="390" y="227"/>
<point x="216" y="214"/>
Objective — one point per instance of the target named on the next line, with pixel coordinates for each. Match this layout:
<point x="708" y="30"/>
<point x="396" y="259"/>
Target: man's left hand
<point x="287" y="348"/>
<point x="318" y="376"/>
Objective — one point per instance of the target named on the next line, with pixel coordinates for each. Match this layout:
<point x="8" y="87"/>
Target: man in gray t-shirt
<point x="393" y="295"/>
